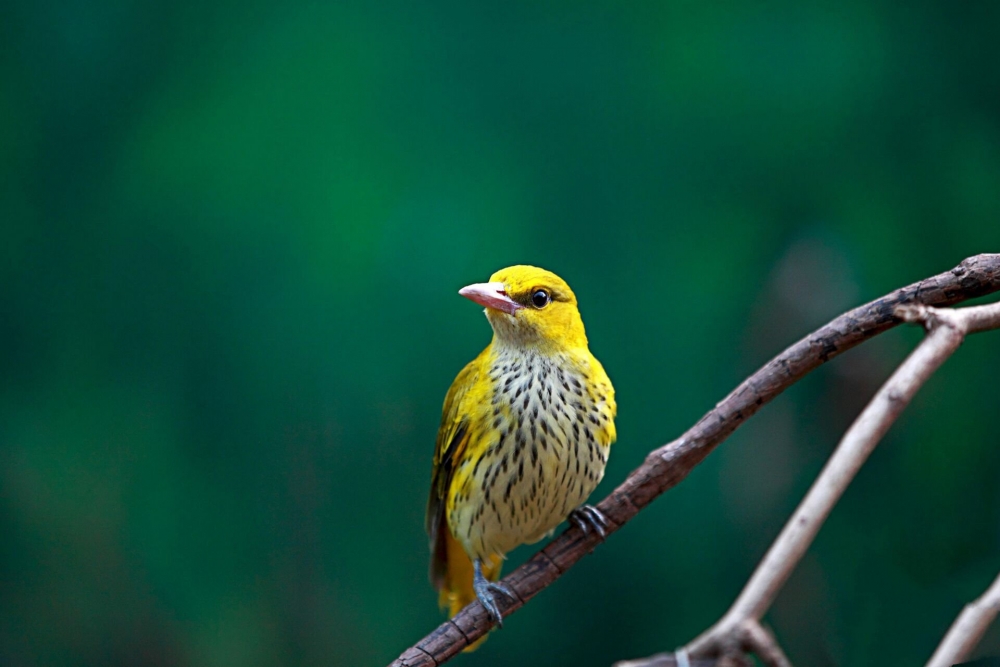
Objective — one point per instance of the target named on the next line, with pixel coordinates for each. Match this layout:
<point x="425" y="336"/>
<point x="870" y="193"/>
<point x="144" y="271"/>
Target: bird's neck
<point x="549" y="337"/>
<point x="548" y="354"/>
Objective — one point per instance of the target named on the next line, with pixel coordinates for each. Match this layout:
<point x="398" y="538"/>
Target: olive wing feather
<point x="453" y="435"/>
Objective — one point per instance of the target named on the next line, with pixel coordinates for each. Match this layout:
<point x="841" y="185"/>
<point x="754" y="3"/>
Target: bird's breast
<point x="540" y="449"/>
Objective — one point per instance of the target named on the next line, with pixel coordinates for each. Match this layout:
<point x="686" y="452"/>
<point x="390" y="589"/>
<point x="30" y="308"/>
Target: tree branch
<point x="968" y="628"/>
<point x="947" y="330"/>
<point x="671" y="660"/>
<point x="668" y="465"/>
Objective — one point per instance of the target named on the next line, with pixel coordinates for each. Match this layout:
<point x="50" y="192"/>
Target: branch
<point x="671" y="660"/>
<point x="947" y="330"/>
<point x="968" y="628"/>
<point x="668" y="465"/>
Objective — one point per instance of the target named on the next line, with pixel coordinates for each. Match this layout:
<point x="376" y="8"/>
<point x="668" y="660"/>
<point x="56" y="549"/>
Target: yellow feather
<point x="524" y="438"/>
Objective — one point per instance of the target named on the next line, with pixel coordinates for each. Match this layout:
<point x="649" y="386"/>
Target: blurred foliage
<point x="231" y="238"/>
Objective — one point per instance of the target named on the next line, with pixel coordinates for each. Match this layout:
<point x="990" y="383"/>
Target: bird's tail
<point x="455" y="582"/>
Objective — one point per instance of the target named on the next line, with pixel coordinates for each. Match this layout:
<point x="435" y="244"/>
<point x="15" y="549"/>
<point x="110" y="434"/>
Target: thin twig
<point x="748" y="637"/>
<point x="947" y="330"/>
<point x="670" y="660"/>
<point x="761" y="642"/>
<point x="968" y="628"/>
<point x="668" y="465"/>
<point x="847" y="459"/>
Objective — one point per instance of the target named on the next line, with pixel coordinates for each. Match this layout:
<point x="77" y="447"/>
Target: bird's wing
<point x="452" y="437"/>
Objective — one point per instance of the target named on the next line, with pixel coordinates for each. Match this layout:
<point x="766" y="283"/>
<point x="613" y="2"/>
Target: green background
<point x="232" y="235"/>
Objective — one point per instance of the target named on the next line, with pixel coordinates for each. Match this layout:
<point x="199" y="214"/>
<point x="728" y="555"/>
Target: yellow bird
<point x="525" y="434"/>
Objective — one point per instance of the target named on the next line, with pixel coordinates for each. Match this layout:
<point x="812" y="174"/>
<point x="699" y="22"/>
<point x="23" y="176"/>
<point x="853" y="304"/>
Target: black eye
<point x="540" y="299"/>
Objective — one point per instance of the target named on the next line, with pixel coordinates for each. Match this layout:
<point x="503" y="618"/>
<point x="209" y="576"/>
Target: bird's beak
<point x="491" y="295"/>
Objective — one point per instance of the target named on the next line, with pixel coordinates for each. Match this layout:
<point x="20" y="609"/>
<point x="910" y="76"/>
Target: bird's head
<point x="530" y="307"/>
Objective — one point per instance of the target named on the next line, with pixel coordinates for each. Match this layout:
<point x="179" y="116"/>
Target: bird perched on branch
<point x="525" y="434"/>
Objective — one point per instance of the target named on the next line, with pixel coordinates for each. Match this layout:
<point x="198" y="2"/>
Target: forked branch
<point x="668" y="465"/>
<point x="946" y="331"/>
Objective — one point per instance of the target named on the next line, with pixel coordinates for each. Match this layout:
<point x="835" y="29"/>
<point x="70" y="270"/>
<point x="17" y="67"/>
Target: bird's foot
<point x="587" y="517"/>
<point x="485" y="590"/>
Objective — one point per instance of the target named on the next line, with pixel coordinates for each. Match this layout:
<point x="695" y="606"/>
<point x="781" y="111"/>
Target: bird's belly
<point x="525" y="500"/>
<point x="541" y="456"/>
<point x="565" y="484"/>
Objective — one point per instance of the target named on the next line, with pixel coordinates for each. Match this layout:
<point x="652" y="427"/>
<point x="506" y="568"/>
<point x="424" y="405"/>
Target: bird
<point x="526" y="430"/>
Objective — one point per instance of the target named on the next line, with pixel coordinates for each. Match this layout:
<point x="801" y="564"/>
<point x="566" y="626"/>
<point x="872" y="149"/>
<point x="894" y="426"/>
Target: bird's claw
<point x="485" y="590"/>
<point x="587" y="517"/>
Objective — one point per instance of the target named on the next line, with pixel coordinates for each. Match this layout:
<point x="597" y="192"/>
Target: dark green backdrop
<point x="231" y="237"/>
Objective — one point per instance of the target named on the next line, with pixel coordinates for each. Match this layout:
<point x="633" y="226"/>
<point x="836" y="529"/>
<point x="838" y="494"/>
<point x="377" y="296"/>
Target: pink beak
<point x="491" y="295"/>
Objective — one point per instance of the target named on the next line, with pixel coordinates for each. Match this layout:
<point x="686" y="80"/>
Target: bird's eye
<point x="540" y="299"/>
